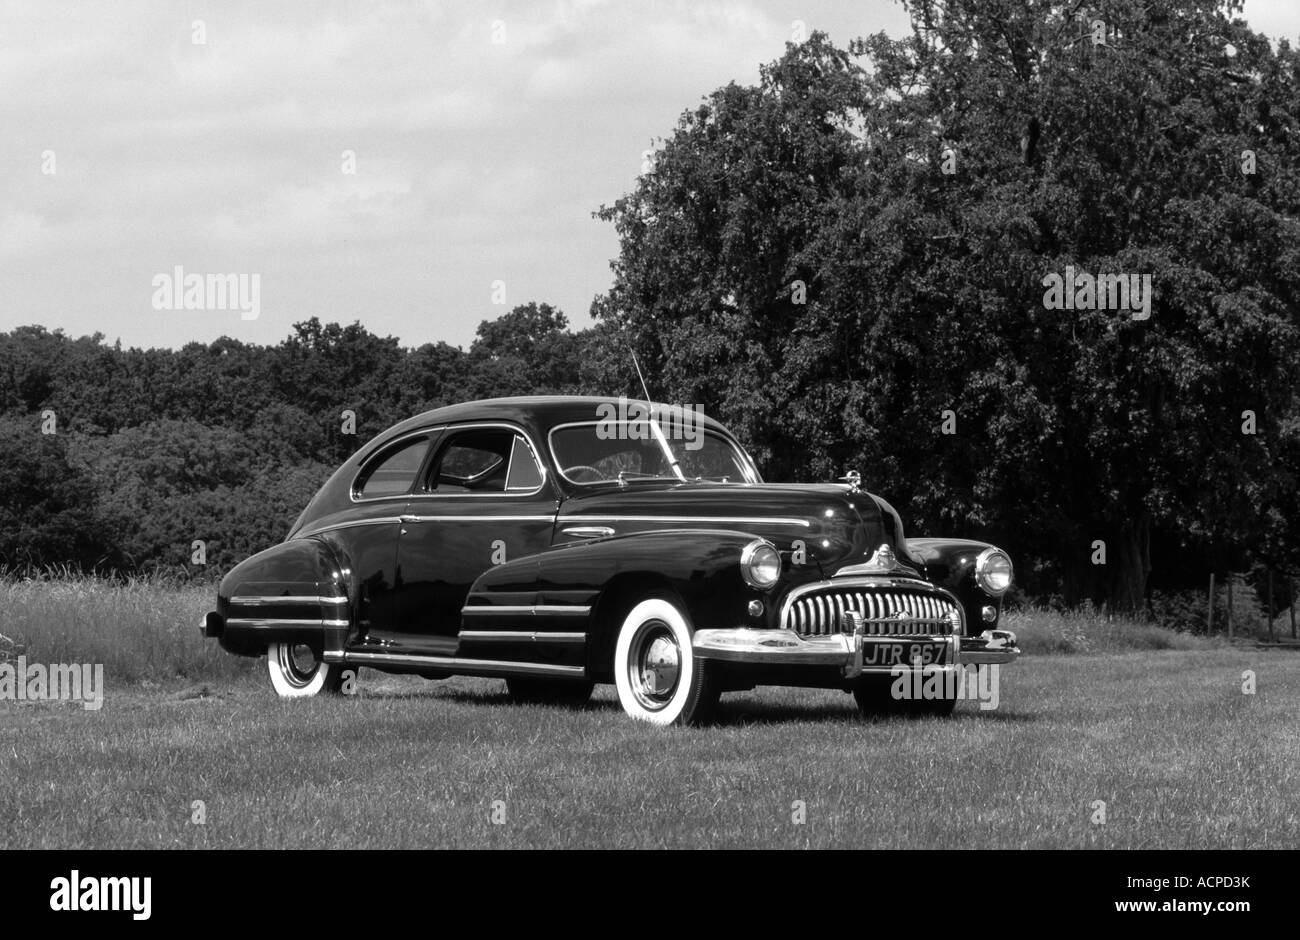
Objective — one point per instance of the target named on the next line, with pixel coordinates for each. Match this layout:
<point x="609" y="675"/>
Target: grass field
<point x="1164" y="736"/>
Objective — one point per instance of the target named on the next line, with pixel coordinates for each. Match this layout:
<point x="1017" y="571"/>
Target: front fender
<point x="294" y="591"/>
<point x="590" y="585"/>
<point x="950" y="563"/>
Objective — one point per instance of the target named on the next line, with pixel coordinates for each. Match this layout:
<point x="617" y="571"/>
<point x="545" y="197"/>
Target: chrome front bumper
<point x="845" y="650"/>
<point x="992" y="647"/>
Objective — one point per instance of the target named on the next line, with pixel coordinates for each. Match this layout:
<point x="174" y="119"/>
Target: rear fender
<point x="292" y="592"/>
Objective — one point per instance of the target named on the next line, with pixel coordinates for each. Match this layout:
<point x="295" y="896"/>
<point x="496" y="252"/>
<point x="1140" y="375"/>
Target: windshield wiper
<point x="625" y="475"/>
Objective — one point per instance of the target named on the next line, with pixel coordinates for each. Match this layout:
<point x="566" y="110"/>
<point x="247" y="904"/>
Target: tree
<point x="914" y="195"/>
<point x="45" y="517"/>
<point x="528" y="351"/>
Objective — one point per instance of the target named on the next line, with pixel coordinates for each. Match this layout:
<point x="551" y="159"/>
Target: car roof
<point x="538" y="413"/>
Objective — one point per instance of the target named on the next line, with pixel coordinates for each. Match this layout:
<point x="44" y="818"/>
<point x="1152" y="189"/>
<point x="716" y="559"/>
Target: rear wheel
<point x="527" y="691"/>
<point x="658" y="676"/>
<point x="297" y="672"/>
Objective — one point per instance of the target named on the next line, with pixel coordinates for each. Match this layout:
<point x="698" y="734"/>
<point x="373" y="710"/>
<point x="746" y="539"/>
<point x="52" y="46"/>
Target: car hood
<point x="837" y="527"/>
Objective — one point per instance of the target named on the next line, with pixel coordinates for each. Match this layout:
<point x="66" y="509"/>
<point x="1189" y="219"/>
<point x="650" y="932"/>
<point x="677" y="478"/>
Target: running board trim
<point x="453" y="664"/>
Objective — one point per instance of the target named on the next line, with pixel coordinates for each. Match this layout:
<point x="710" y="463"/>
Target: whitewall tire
<point x="296" y="672"/>
<point x="658" y="677"/>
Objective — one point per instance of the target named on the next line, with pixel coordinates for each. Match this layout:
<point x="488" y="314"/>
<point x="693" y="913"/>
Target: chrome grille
<point x="886" y="611"/>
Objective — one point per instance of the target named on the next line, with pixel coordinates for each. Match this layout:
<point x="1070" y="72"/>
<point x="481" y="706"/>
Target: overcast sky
<point x="484" y="137"/>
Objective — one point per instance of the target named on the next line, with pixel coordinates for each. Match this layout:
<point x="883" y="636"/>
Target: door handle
<point x="405" y="518"/>
<point x="589" y="531"/>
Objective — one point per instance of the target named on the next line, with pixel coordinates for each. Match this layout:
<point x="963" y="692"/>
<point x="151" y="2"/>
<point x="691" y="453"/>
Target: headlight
<point x="760" y="564"/>
<point x="993" y="571"/>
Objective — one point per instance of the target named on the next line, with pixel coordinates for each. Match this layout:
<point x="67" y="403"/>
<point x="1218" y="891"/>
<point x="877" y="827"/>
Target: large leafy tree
<point x="838" y="257"/>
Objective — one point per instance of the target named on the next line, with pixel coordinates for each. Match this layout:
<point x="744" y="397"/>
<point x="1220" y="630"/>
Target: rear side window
<point x="469" y="461"/>
<point x="392" y="472"/>
<point x="478" y="461"/>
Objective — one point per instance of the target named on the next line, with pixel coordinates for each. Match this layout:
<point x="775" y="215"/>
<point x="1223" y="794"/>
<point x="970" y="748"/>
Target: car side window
<point x="483" y="460"/>
<point x="393" y="471"/>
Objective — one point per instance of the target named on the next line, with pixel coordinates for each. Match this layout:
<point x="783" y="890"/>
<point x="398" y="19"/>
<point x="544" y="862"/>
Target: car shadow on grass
<point x="779" y="713"/>
<point x="731" y="712"/>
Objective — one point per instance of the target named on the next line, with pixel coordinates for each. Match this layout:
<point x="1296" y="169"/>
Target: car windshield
<point x="627" y="451"/>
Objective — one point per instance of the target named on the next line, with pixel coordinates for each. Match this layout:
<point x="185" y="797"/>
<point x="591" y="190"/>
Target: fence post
<point x="1290" y="589"/>
<point x="1228" y="578"/>
<point x="1270" y="605"/>
<point x="1209" y="610"/>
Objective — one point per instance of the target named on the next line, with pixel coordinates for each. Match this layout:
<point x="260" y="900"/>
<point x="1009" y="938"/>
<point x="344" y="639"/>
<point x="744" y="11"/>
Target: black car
<point x="558" y="542"/>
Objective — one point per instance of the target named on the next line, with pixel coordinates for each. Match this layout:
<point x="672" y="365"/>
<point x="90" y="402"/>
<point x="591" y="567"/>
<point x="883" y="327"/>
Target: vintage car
<point x="557" y="542"/>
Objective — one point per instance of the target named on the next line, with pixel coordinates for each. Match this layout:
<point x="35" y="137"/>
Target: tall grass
<point x="138" y="628"/>
<point x="147" y="628"/>
<point x="1087" y="630"/>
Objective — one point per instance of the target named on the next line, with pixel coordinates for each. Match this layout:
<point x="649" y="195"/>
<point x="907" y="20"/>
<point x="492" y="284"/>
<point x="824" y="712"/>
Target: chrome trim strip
<point x="764" y="520"/>
<point x="415" y="517"/>
<point x="382" y="520"/>
<point x="398" y="520"/>
<point x="261" y="622"/>
<point x="286" y="599"/>
<point x="493" y="493"/>
<point x="515" y="636"/>
<point x="452" y="662"/>
<point x="574" y="610"/>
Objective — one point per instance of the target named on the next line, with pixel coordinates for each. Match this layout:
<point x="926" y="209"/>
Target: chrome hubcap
<point x="655" y="664"/>
<point x="298" y="663"/>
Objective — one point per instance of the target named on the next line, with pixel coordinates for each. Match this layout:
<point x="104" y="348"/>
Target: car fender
<point x="294" y="591"/>
<point x="590" y="585"/>
<point x="950" y="564"/>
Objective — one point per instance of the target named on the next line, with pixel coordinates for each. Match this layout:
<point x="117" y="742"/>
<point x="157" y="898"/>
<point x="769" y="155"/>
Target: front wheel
<point x="297" y="672"/>
<point x="658" y="676"/>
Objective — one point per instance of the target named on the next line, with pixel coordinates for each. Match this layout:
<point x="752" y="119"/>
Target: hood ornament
<point x="852" y="478"/>
<point x="882" y="561"/>
<point x="884" y="558"/>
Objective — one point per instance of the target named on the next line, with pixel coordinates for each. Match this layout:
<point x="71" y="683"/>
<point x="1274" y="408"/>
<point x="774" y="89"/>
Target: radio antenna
<point x="672" y="458"/>
<point x="641" y="377"/>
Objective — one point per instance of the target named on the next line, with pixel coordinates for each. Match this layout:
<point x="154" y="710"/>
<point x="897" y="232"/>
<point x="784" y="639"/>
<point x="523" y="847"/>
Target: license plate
<point x="888" y="653"/>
